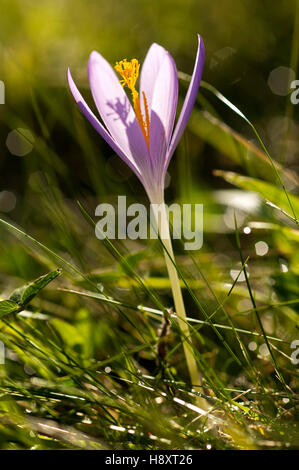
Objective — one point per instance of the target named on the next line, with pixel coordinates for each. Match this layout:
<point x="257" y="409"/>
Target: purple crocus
<point x="142" y="134"/>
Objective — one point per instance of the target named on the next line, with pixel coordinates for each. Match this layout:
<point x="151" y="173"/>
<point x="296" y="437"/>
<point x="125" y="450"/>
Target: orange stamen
<point x="129" y="72"/>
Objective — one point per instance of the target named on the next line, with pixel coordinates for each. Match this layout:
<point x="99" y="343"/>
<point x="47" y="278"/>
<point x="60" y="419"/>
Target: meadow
<point x="91" y="353"/>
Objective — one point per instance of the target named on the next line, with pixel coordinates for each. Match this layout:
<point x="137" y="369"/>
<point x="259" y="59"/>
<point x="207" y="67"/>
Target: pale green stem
<point x="160" y="213"/>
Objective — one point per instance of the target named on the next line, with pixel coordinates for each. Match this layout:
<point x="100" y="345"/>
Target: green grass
<point x="83" y="367"/>
<point x="94" y="355"/>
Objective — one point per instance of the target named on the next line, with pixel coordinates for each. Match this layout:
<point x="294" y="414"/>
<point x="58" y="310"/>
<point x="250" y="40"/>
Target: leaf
<point x="236" y="147"/>
<point x="23" y="295"/>
<point x="16" y="296"/>
<point x="36" y="286"/>
<point x="8" y="306"/>
<point x="266" y="190"/>
<point x="276" y="169"/>
<point x="290" y="233"/>
<point x="69" y="333"/>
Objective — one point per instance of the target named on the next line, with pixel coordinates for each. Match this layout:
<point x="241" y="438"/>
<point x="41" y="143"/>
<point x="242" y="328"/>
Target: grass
<point x="94" y="355"/>
<point x="83" y="350"/>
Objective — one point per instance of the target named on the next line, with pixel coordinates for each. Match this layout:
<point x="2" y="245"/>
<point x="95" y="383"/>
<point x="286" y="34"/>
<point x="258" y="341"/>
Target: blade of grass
<point x="236" y="110"/>
<point x="279" y="374"/>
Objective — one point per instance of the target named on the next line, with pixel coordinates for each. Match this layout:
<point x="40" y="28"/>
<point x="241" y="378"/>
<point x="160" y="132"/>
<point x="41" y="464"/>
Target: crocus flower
<point x="142" y="134"/>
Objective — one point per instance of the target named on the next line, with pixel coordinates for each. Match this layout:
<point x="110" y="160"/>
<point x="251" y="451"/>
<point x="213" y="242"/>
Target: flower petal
<point x="189" y="99"/>
<point x="163" y="109"/>
<point x="115" y="109"/>
<point x="128" y="159"/>
<point x="149" y="72"/>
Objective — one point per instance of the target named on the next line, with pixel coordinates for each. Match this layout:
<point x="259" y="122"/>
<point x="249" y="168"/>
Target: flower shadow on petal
<point x="150" y="163"/>
<point x="138" y="149"/>
<point x="120" y="110"/>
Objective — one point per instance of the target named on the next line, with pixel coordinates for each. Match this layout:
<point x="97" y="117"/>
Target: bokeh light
<point x="261" y="248"/>
<point x="280" y="80"/>
<point x="7" y="201"/>
<point x="20" y="142"/>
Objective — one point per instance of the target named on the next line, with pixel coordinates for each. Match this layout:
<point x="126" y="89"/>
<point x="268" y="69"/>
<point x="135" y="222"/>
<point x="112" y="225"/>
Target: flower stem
<point x="163" y="228"/>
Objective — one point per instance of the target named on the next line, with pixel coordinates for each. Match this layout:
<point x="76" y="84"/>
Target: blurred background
<point x="49" y="151"/>
<point x="51" y="157"/>
<point x="248" y="58"/>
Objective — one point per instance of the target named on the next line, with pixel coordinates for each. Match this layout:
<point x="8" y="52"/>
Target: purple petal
<point x="98" y="126"/>
<point x="149" y="72"/>
<point x="189" y="100"/>
<point x="163" y="109"/>
<point x="115" y="109"/>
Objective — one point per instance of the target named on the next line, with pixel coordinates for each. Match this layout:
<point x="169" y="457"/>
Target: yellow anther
<point x="129" y="72"/>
